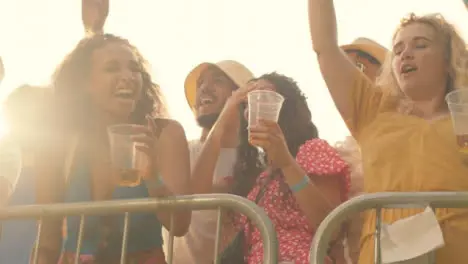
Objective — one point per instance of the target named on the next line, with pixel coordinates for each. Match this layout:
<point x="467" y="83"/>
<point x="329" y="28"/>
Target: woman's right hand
<point x="94" y="14"/>
<point x="230" y="113"/>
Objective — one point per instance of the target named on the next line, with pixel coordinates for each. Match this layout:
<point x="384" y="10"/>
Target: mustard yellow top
<point x="403" y="153"/>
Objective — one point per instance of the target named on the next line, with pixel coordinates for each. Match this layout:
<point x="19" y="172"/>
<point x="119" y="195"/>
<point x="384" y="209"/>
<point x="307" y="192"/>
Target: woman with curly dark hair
<point x="300" y="181"/>
<point x="105" y="81"/>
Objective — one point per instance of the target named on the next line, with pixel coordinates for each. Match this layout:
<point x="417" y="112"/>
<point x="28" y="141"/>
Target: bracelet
<point x="300" y="185"/>
<point x="154" y="183"/>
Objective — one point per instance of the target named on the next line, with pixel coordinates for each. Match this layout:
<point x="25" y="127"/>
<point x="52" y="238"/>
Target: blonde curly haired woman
<point x="402" y="124"/>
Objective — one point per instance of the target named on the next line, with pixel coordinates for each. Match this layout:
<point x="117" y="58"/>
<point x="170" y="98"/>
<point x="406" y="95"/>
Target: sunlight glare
<point x="177" y="35"/>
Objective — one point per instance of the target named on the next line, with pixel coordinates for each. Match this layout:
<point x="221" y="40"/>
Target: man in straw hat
<point x="368" y="56"/>
<point x="207" y="88"/>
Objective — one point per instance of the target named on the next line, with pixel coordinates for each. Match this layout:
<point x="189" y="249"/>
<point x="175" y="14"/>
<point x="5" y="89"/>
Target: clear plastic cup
<point x="457" y="102"/>
<point x="128" y="163"/>
<point x="263" y="104"/>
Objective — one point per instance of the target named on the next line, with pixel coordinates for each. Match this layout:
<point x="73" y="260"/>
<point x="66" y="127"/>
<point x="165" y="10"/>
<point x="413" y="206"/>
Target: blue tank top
<point x="144" y="230"/>
<point x="19" y="236"/>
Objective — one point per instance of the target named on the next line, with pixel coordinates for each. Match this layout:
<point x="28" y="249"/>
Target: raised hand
<point x="94" y="14"/>
<point x="269" y="136"/>
<point x="231" y="108"/>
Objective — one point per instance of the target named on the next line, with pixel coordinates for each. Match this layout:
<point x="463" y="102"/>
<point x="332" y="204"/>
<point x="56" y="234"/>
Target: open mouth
<point x="408" y="69"/>
<point x="206" y="101"/>
<point x="125" y="93"/>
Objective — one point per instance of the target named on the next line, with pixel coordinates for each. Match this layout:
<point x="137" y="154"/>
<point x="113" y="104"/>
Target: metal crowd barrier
<point x="378" y="202"/>
<point x="193" y="202"/>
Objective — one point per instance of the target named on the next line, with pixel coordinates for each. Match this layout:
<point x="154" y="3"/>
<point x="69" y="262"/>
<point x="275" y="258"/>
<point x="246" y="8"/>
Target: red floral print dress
<point x="317" y="158"/>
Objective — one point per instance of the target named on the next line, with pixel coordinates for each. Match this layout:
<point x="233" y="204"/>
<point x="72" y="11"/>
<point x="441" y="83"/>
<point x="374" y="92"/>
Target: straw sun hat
<point x="368" y="46"/>
<point x="238" y="73"/>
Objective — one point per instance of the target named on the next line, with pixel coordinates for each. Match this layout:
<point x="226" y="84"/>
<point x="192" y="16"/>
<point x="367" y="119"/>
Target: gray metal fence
<point x="378" y="202"/>
<point x="193" y="202"/>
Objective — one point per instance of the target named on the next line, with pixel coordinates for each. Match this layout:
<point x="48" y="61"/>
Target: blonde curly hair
<point x="455" y="52"/>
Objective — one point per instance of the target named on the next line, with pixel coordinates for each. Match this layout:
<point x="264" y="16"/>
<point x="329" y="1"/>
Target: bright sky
<point x="265" y="35"/>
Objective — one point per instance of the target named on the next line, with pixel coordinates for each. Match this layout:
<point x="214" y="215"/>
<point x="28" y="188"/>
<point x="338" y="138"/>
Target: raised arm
<point x="93" y="15"/>
<point x="227" y="123"/>
<point x="337" y="70"/>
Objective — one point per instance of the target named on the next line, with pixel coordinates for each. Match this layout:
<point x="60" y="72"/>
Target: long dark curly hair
<point x="71" y="76"/>
<point x="295" y="121"/>
<point x="74" y="108"/>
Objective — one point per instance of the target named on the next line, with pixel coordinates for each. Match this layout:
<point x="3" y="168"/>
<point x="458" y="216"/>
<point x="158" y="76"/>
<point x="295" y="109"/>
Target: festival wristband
<point x="300" y="185"/>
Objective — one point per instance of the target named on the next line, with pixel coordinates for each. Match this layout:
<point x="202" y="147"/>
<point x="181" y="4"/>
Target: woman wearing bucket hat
<point x="410" y="148"/>
<point x="207" y="88"/>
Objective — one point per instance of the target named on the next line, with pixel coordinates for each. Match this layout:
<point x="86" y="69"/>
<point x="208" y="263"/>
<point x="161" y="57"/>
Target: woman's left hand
<point x="147" y="143"/>
<point x="269" y="136"/>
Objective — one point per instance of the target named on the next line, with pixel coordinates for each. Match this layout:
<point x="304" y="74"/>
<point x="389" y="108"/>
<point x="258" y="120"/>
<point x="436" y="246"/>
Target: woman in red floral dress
<point x="304" y="178"/>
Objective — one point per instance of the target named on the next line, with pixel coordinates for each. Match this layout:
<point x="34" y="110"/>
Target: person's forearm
<point x="311" y="200"/>
<point x="322" y="22"/>
<point x="205" y="165"/>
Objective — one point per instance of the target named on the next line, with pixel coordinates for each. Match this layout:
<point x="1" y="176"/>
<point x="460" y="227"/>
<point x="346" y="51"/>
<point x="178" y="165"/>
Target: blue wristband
<point x="300" y="185"/>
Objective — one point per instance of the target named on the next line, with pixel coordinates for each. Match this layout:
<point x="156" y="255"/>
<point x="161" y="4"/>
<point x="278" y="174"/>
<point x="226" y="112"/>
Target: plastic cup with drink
<point x="263" y="105"/>
<point x="457" y="102"/>
<point x="128" y="163"/>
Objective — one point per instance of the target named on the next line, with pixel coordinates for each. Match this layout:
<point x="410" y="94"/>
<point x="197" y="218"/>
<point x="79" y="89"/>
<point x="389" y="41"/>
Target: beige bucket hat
<point x="368" y="46"/>
<point x="238" y="73"/>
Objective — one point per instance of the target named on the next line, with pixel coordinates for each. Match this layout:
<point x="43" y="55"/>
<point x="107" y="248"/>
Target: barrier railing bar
<point x="80" y="240"/>
<point x="38" y="238"/>
<point x="219" y="225"/>
<point x="171" y="239"/>
<point x="123" y="256"/>
<point x="382" y="200"/>
<point x="190" y="202"/>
